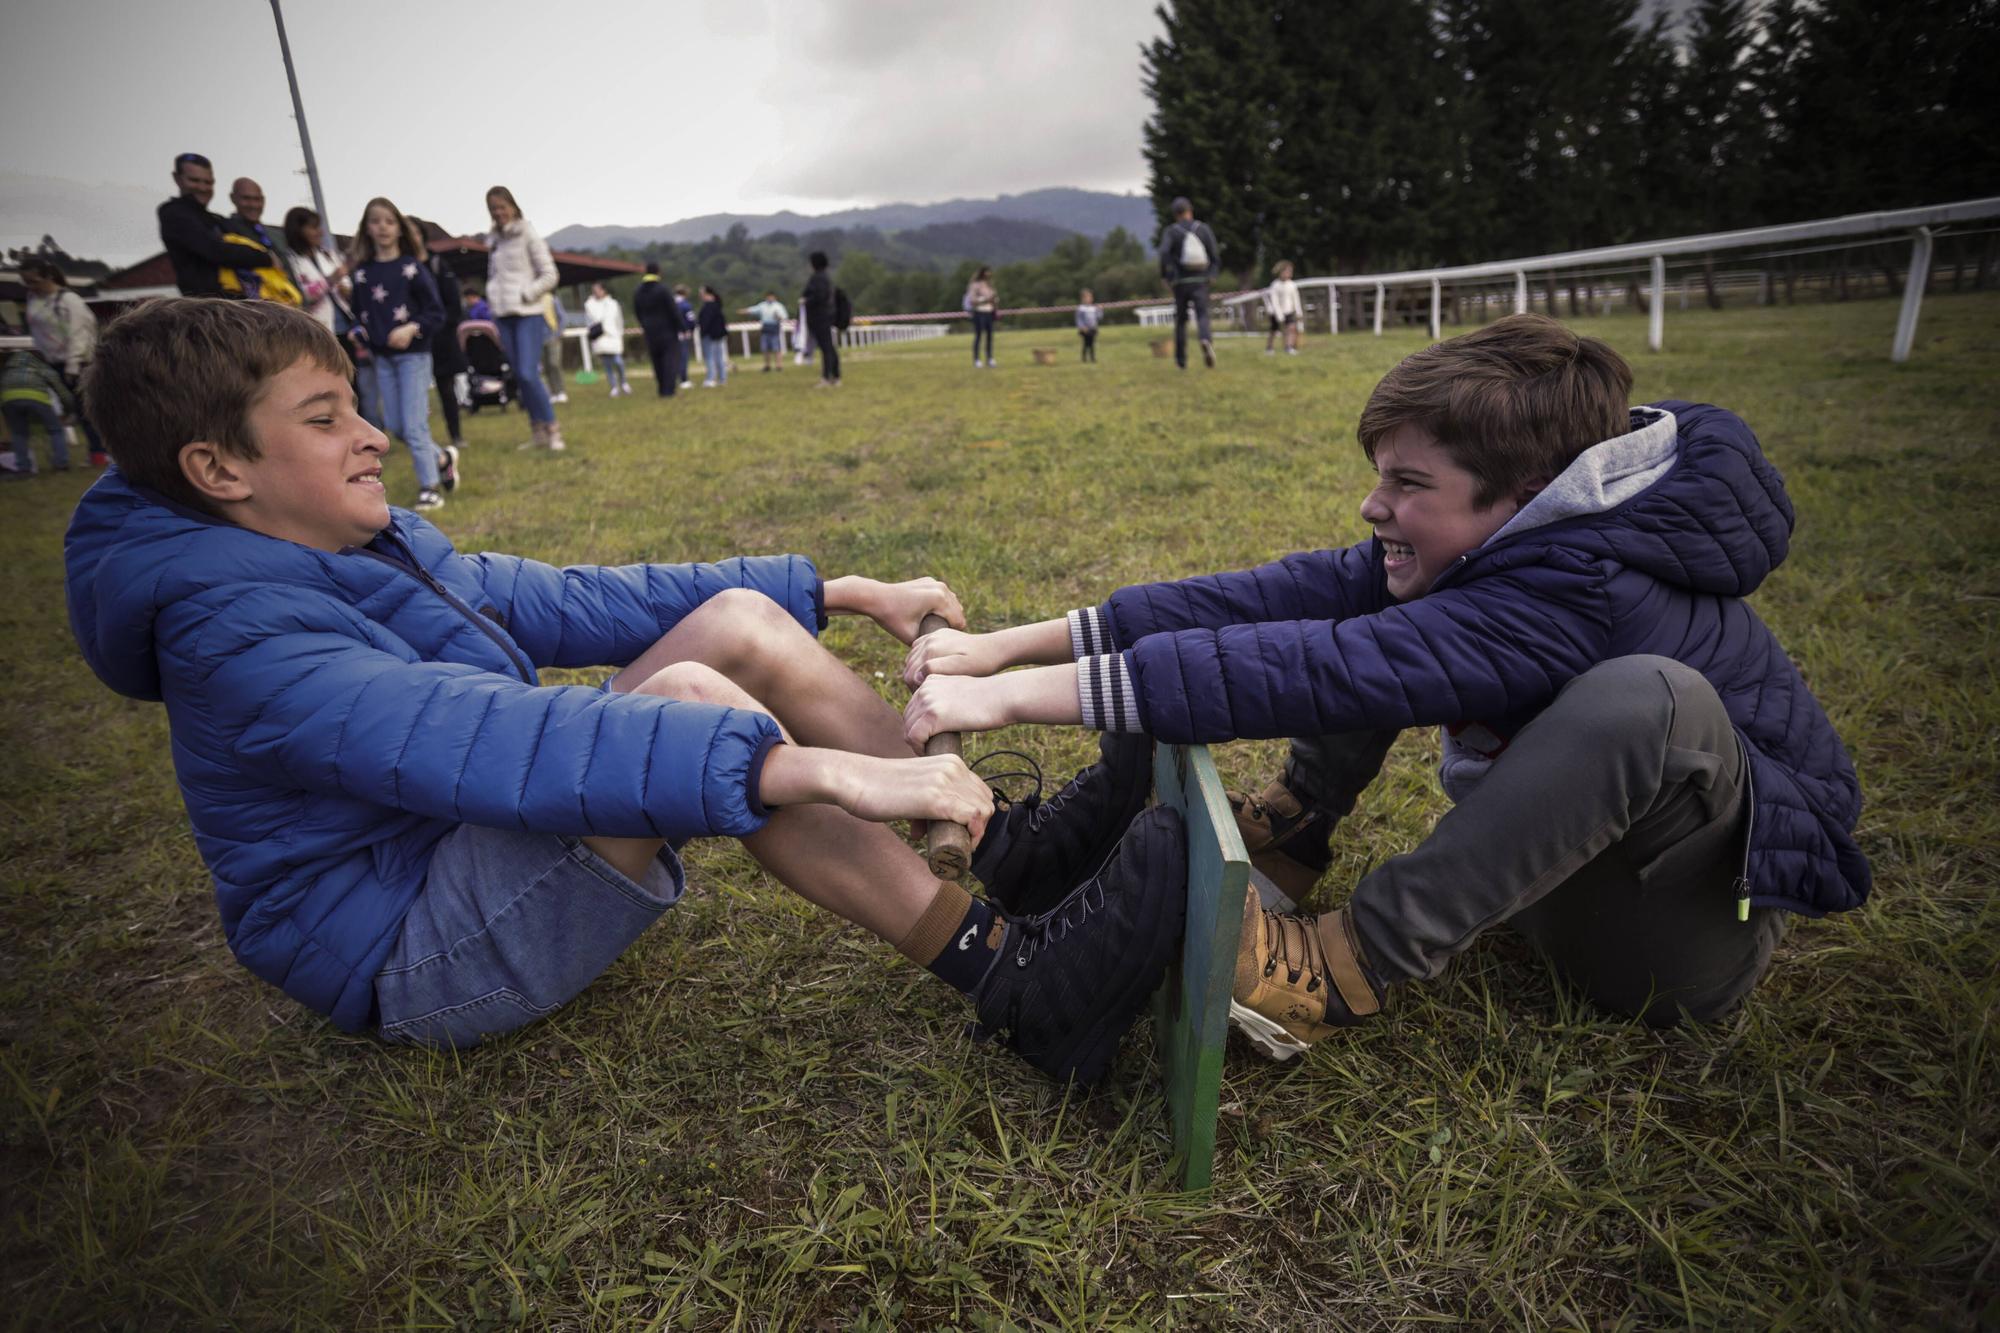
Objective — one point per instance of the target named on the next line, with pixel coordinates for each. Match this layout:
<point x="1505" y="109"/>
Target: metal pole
<point x="1520" y="293"/>
<point x="1913" y="294"/>
<point x="1378" y="310"/>
<point x="1656" y="320"/>
<point x="299" y="114"/>
<point x="1437" y="329"/>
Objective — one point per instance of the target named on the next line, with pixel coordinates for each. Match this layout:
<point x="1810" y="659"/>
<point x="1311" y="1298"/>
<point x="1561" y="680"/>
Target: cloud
<point x="920" y="101"/>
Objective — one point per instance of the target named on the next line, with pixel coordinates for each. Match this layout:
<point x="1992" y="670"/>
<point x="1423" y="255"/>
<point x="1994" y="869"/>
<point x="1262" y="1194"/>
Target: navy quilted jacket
<point x="334" y="715"/>
<point x="1313" y="644"/>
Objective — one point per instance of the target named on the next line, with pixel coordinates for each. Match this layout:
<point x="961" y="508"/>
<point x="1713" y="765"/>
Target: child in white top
<point x="1281" y="303"/>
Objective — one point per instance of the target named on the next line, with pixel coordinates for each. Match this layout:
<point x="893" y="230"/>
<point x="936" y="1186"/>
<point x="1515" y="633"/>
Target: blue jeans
<point x="521" y="338"/>
<point x="509" y="926"/>
<point x="982" y="326"/>
<point x="614" y="370"/>
<point x="769" y="339"/>
<point x="715" y="357"/>
<point x="404" y="381"/>
<point x="21" y="417"/>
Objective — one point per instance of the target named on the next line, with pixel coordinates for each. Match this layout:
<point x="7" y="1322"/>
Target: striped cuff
<point x="1104" y="692"/>
<point x="1088" y="634"/>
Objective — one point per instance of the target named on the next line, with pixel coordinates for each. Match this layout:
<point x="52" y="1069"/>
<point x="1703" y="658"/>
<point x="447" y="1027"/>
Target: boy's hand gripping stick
<point x="949" y="846"/>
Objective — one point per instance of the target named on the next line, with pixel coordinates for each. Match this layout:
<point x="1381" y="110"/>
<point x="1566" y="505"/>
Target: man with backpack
<point x="1189" y="257"/>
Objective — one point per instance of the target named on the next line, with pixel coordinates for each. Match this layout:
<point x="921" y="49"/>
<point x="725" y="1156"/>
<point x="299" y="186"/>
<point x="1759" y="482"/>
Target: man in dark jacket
<point x="193" y="235"/>
<point x="816" y="307"/>
<point x="660" y="319"/>
<point x="1643" y="784"/>
<point x="1189" y="257"/>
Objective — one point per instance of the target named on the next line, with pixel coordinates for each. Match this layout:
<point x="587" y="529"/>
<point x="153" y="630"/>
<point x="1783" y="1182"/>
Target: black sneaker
<point x="448" y="467"/>
<point x="1035" y="851"/>
<point x="1069" y="983"/>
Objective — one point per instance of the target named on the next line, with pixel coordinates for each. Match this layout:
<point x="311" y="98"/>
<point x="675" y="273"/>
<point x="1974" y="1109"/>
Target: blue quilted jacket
<point x="1313" y="644"/>
<point x="334" y="715"/>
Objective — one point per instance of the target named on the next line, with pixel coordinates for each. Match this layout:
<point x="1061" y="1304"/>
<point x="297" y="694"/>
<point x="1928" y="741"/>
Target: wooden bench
<point x="1191" y="1008"/>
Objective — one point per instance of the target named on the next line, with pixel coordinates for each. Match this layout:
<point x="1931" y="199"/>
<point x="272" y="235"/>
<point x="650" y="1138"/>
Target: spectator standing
<point x="519" y="273"/>
<point x="1188" y="260"/>
<point x="686" y="308"/>
<point x="816" y="302"/>
<point x="660" y="321"/>
<point x="984" y="304"/>
<point x="319" y="274"/>
<point x="1088" y="316"/>
<point x="398" y="310"/>
<point x="714" y="326"/>
<point x="770" y="316"/>
<point x="273" y="283"/>
<point x="193" y="235"/>
<point x="607" y="337"/>
<point x="1284" y="309"/>
<point x="31" y="392"/>
<point x="448" y="368"/>
<point x="65" y="333"/>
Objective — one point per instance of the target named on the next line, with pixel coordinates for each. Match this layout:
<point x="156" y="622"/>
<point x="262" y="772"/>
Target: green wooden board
<point x="1191" y="1010"/>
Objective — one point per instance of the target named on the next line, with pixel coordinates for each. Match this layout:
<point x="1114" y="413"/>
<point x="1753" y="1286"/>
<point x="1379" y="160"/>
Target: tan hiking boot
<point x="1286" y="841"/>
<point x="1298" y="978"/>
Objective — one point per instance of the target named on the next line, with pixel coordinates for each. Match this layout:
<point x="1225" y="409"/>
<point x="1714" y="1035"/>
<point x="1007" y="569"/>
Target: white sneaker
<point x="1291" y="351"/>
<point x="428" y="500"/>
<point x="559" y="398"/>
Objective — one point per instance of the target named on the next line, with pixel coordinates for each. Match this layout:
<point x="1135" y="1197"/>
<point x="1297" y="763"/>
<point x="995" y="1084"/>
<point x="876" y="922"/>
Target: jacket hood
<point x="130" y="552"/>
<point x="1686" y="496"/>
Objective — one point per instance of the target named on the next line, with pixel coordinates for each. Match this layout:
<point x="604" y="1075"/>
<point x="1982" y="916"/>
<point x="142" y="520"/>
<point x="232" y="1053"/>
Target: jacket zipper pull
<point x="1742" y="898"/>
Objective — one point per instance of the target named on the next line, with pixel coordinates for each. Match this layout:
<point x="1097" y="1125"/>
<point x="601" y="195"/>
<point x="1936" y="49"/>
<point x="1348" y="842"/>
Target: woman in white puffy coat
<point x="607" y="343"/>
<point x="519" y="273"/>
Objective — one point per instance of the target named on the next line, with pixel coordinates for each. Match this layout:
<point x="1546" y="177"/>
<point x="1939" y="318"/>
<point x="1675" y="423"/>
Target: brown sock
<point x="956" y="938"/>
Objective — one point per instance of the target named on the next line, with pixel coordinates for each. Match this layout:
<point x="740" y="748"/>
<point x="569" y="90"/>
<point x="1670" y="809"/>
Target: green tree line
<point x="911" y="272"/>
<point x="1372" y="135"/>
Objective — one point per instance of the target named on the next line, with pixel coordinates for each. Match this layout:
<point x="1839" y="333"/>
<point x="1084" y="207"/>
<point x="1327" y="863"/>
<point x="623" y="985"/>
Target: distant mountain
<point x="1091" y="212"/>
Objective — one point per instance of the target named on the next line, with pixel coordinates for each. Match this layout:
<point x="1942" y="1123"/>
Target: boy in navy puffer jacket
<point x="408" y="832"/>
<point x="1643" y="783"/>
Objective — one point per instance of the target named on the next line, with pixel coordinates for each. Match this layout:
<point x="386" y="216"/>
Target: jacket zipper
<point x="1749" y="827"/>
<point x="424" y="577"/>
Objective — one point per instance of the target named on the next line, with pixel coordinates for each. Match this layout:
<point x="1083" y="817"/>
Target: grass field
<point x="763" y="1119"/>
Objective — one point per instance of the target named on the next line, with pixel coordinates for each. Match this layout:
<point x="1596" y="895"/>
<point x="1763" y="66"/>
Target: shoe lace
<point x="1044" y="932"/>
<point x="1287" y="935"/>
<point x="1001" y="798"/>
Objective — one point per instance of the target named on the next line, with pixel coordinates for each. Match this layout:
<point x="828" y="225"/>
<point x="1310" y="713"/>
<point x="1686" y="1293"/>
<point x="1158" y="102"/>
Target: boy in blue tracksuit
<point x="1643" y="784"/>
<point x="408" y="832"/>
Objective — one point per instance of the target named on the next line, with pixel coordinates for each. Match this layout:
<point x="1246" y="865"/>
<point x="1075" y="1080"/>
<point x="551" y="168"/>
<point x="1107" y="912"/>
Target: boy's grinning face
<point x="1422" y="511"/>
<point x="318" y="481"/>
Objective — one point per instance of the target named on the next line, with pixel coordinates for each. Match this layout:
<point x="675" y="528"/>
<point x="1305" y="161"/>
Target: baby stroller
<point x="490" y="380"/>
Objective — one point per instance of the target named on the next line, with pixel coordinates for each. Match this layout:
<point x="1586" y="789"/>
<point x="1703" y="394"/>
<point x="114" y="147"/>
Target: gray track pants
<point x="1610" y="832"/>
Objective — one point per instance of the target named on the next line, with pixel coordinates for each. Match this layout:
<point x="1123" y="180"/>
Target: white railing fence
<point x="862" y="334"/>
<point x="1921" y="226"/>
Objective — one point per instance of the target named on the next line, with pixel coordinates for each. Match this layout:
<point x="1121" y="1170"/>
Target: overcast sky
<point x="597" y="111"/>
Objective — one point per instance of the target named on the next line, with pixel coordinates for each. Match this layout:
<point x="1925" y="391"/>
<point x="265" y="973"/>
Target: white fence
<point x="875" y="335"/>
<point x="1920" y="225"/>
<point x="860" y="335"/>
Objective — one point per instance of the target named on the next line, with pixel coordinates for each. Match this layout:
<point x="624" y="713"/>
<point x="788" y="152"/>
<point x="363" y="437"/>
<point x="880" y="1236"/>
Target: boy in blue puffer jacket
<point x="408" y="832"/>
<point x="1643" y="785"/>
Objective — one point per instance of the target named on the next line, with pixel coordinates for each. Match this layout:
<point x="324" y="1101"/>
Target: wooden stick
<point x="949" y="845"/>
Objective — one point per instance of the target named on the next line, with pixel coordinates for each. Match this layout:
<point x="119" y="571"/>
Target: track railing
<point x="1920" y="225"/>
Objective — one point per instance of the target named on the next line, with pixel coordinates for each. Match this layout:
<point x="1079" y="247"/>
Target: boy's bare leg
<point x="860" y="871"/>
<point x="755" y="642"/>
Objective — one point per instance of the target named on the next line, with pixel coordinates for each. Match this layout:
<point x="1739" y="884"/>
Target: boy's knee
<point x="1644" y="697"/>
<point x="696" y="682"/>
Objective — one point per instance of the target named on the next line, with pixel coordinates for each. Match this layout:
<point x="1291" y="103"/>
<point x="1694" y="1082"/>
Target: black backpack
<point x="843" y="309"/>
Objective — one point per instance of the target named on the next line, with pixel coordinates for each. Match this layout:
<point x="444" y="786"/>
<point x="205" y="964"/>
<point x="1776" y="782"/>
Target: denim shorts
<point x="768" y="339"/>
<point x="509" y="927"/>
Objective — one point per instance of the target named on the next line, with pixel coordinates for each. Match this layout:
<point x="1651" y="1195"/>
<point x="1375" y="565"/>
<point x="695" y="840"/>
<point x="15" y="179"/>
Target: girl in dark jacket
<point x="398" y="312"/>
<point x="714" y="326"/>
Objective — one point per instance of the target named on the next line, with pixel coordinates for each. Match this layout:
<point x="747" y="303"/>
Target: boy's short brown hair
<point x="1513" y="403"/>
<point x="190" y="368"/>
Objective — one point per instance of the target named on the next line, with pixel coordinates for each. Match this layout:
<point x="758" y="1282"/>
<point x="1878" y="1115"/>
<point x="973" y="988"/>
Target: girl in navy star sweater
<point x="398" y="309"/>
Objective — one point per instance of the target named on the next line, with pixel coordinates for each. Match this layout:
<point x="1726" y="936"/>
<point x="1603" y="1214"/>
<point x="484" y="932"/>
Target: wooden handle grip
<point x="949" y="846"/>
